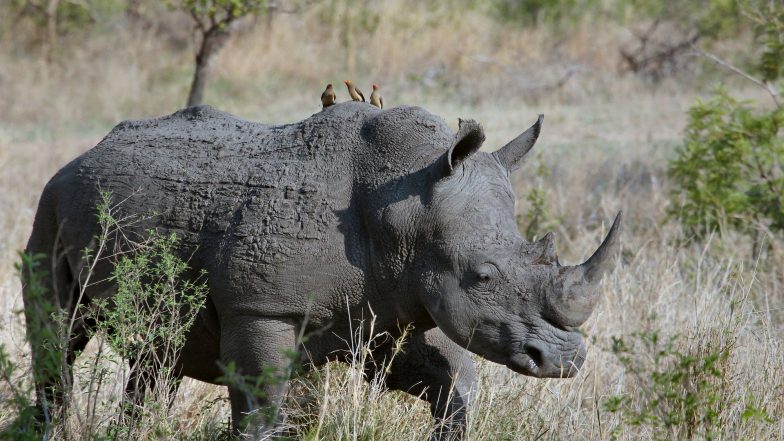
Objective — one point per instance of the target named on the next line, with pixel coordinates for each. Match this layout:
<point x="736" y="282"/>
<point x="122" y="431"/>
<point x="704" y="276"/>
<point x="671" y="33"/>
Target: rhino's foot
<point x="260" y="432"/>
<point x="448" y="431"/>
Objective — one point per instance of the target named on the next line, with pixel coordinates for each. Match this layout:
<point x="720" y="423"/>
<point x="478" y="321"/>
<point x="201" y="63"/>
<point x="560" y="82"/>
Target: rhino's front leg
<point x="440" y="372"/>
<point x="260" y="349"/>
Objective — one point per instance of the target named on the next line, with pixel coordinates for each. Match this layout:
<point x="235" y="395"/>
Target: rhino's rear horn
<point x="602" y="260"/>
<point x="513" y="154"/>
<point x="546" y="248"/>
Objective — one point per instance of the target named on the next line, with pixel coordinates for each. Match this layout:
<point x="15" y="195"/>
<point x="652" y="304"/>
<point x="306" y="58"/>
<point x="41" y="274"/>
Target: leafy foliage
<point x="69" y="14"/>
<point x="211" y="13"/>
<point x="769" y="20"/>
<point x="16" y="399"/>
<point x="146" y="321"/>
<point x="17" y="396"/>
<point x="729" y="169"/>
<point x="153" y="303"/>
<point x="678" y="394"/>
<point x="540" y="11"/>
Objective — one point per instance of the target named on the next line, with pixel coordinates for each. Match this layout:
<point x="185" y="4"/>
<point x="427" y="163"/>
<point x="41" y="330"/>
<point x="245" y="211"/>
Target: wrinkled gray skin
<point x="315" y="224"/>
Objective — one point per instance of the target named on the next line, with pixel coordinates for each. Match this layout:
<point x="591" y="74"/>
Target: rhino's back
<point x="210" y="176"/>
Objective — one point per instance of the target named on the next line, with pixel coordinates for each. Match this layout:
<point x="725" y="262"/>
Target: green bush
<point x="729" y="170"/>
<point x="15" y="395"/>
<point x="68" y="15"/>
<point x="531" y="12"/>
<point x="146" y="320"/>
<point x="681" y="390"/>
<point x="769" y="20"/>
<point x="153" y="305"/>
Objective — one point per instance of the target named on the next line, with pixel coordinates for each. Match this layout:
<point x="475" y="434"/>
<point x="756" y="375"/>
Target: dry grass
<point x="606" y="140"/>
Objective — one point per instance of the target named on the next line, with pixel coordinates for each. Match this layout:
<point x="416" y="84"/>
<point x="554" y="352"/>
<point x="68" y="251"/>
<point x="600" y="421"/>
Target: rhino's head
<point x="489" y="290"/>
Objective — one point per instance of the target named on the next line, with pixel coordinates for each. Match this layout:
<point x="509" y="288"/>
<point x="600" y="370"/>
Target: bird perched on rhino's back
<point x="355" y="93"/>
<point x="328" y="97"/>
<point x="375" y="97"/>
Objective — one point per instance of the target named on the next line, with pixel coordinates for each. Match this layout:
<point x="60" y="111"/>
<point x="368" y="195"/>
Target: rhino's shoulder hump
<point x="402" y="130"/>
<point x="190" y="120"/>
<point x="409" y="121"/>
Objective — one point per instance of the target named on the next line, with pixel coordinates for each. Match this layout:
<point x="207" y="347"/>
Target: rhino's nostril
<point x="535" y="354"/>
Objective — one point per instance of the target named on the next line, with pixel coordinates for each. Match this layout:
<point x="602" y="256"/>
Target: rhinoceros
<point x="304" y="227"/>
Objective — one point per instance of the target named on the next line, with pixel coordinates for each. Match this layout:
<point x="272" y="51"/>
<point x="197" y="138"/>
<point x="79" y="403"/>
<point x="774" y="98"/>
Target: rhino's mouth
<point x="523" y="364"/>
<point x="535" y="362"/>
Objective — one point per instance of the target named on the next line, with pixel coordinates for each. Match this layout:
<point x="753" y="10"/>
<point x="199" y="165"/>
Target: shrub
<point x="16" y="398"/>
<point x="146" y="321"/>
<point x="678" y="393"/>
<point x="729" y="170"/>
<point x="531" y="12"/>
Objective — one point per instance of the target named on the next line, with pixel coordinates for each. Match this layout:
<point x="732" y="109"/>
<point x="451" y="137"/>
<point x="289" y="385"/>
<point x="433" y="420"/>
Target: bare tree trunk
<point x="211" y="43"/>
<point x="51" y="28"/>
<point x="272" y="9"/>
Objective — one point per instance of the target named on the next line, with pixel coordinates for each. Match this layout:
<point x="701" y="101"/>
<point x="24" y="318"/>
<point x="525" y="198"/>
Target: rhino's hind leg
<point x="439" y="371"/>
<point x="143" y="381"/>
<point x="52" y="369"/>
<point x="260" y="351"/>
<point x="51" y="298"/>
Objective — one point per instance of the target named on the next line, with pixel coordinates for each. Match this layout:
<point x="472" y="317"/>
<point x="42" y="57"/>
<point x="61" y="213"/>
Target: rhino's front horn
<point x="576" y="291"/>
<point x="602" y="260"/>
<point x="512" y="154"/>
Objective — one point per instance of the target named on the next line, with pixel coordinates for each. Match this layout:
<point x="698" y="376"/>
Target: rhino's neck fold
<point x="391" y="250"/>
<point x="395" y="171"/>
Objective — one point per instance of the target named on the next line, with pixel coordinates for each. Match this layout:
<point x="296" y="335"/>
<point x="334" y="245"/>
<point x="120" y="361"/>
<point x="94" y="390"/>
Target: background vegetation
<point x="668" y="110"/>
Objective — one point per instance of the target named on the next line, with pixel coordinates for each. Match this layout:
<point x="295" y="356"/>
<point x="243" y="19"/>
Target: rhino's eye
<point x="486" y="272"/>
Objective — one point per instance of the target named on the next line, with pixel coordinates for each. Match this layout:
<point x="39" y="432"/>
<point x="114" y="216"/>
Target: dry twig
<point x="770" y="88"/>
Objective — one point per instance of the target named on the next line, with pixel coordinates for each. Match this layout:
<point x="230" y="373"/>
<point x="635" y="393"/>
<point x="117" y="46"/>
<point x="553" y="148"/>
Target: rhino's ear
<point x="468" y="140"/>
<point x="513" y="154"/>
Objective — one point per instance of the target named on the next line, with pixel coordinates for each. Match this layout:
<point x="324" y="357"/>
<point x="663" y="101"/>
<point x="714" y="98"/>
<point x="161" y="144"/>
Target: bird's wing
<point x="361" y="95"/>
<point x="381" y="101"/>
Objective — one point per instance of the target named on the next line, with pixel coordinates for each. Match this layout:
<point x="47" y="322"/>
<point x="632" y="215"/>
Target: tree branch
<point x="197" y="19"/>
<point x="774" y="94"/>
